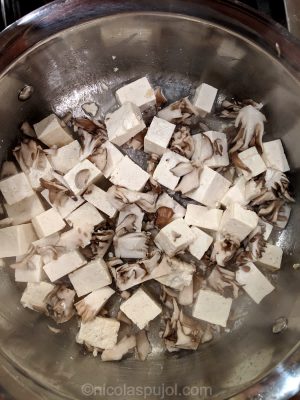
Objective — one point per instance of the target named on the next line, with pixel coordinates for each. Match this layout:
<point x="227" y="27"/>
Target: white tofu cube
<point x="63" y="265"/>
<point x="139" y="92"/>
<point x="114" y="156"/>
<point x="129" y="175"/>
<point x="132" y="209"/>
<point x="34" y="295"/>
<point x="66" y="157"/>
<point x="236" y="194"/>
<point x="51" y="132"/>
<point x="253" y="161"/>
<point x="67" y="206"/>
<point x="212" y="307"/>
<point x="81" y="176"/>
<point x="158" y="136"/>
<point x="140" y="308"/>
<point x="33" y="273"/>
<point x="101" y="333"/>
<point x="86" y="214"/>
<point x="203" y="149"/>
<point x="124" y="123"/>
<point x="204" y="98"/>
<point x="24" y="210"/>
<point x="35" y="174"/>
<point x="99" y="198"/>
<point x="203" y="217"/>
<point x="174" y="237"/>
<point x="163" y="174"/>
<point x="274" y="156"/>
<point x="201" y="243"/>
<point x="271" y="258"/>
<point x="94" y="275"/>
<point x="93" y="302"/>
<point x="16" y="188"/>
<point x="238" y="222"/>
<point x="165" y="200"/>
<point x="255" y="284"/>
<point x="47" y="223"/>
<point x="212" y="188"/>
<point x="16" y="240"/>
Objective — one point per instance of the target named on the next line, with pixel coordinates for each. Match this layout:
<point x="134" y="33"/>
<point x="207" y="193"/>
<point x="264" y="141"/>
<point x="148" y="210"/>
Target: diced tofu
<point x="129" y="175"/>
<point x="94" y="275"/>
<point x="212" y="188"/>
<point x="47" y="241"/>
<point x="138" y="92"/>
<point x="236" y="194"/>
<point x="212" y="307"/>
<point x="86" y="214"/>
<point x="124" y="123"/>
<point x="101" y="333"/>
<point x="238" y="222"/>
<point x="158" y="136"/>
<point x="274" y="156"/>
<point x="271" y="258"/>
<point x="203" y="149"/>
<point x="201" y="243"/>
<point x="132" y="209"/>
<point x="35" y="294"/>
<point x="16" y="188"/>
<point x="33" y="273"/>
<point x="114" y="156"/>
<point x="51" y="132"/>
<point x="24" y="210"/>
<point x="174" y="237"/>
<point x="179" y="276"/>
<point x="165" y="200"/>
<point x="255" y="284"/>
<point x="81" y="176"/>
<point x="67" y="206"/>
<point x="76" y="237"/>
<point x="99" y="198"/>
<point x="268" y="228"/>
<point x="66" y="157"/>
<point x="163" y="174"/>
<point x="204" y="98"/>
<point x="16" y="240"/>
<point x="63" y="265"/>
<point x="203" y="217"/>
<point x="94" y="301"/>
<point x="140" y="308"/>
<point x="253" y="161"/>
<point x="47" y="223"/>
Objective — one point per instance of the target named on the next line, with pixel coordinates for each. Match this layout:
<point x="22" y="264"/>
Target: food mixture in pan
<point x="147" y="215"/>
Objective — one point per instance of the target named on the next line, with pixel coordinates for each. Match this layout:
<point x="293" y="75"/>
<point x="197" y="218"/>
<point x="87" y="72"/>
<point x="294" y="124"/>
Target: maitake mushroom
<point x="189" y="172"/>
<point x="178" y="112"/>
<point x="30" y="156"/>
<point x="100" y="242"/>
<point x="256" y="242"/>
<point x="221" y="279"/>
<point x="231" y="108"/>
<point x="57" y="192"/>
<point x="224" y="249"/>
<point x="151" y="165"/>
<point x="181" y="331"/>
<point x="250" y="122"/>
<point x="60" y="304"/>
<point x="143" y="346"/>
<point x="119" y="197"/>
<point x="91" y="148"/>
<point x="182" y="142"/>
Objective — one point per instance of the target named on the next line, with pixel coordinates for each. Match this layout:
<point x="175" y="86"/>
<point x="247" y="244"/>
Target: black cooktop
<point x="12" y="10"/>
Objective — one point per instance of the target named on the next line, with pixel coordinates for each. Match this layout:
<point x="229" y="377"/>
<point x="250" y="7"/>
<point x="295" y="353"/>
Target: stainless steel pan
<point x="64" y="50"/>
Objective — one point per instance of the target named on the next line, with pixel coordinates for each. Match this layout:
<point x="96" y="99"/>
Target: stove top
<point x="14" y="9"/>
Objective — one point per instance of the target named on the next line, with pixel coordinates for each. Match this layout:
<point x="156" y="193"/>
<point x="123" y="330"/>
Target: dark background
<point x="14" y="9"/>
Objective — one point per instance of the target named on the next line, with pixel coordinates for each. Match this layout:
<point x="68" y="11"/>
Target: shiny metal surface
<point x="74" y="51"/>
<point x="292" y="8"/>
